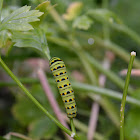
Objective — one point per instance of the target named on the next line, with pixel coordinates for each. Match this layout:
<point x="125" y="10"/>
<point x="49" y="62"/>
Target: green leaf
<point x="104" y="15"/>
<point x="43" y="7"/>
<point x="42" y="128"/>
<point x="82" y="22"/>
<point x="35" y="39"/>
<point x="4" y="37"/>
<point x="19" y="20"/>
<point x="27" y="39"/>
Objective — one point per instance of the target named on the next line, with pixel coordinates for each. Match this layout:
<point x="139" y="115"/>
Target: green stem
<point x="34" y="100"/>
<point x="83" y="128"/>
<point x="46" y="50"/>
<point x="104" y="92"/>
<point x="85" y="88"/>
<point x="1" y="3"/>
<point x="133" y="54"/>
<point x="23" y="80"/>
<point x="18" y="135"/>
<point x="47" y="54"/>
<point x="72" y="126"/>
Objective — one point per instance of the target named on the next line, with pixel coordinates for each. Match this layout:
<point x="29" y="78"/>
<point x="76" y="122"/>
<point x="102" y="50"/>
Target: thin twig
<point x="85" y="88"/>
<point x="17" y="135"/>
<point x="72" y="126"/>
<point x="83" y="128"/>
<point x="48" y="92"/>
<point x="133" y="54"/>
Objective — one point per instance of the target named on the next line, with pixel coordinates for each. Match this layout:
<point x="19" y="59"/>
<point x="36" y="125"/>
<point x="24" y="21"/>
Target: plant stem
<point x="72" y="126"/>
<point x="1" y="3"/>
<point x="47" y="54"/>
<point x="82" y="87"/>
<point x="33" y="99"/>
<point x="89" y="89"/>
<point x="133" y="54"/>
<point x="23" y="80"/>
<point x="18" y="135"/>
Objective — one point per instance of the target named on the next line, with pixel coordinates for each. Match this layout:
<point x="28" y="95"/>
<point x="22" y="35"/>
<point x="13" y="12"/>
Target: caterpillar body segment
<point x="58" y="69"/>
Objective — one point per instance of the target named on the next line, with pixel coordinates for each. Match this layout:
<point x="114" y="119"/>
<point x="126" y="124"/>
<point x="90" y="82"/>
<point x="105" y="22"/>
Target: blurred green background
<point x="100" y="33"/>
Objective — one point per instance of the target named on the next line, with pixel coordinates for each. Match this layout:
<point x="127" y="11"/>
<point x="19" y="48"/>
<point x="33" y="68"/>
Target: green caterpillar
<point x="58" y="69"/>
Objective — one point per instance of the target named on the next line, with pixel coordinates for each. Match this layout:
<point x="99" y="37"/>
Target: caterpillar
<point x="58" y="69"/>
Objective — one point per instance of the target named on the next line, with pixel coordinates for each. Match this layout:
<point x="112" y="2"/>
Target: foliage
<point x="20" y="18"/>
<point x="65" y="30"/>
<point x="29" y="39"/>
<point x="82" y="22"/>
